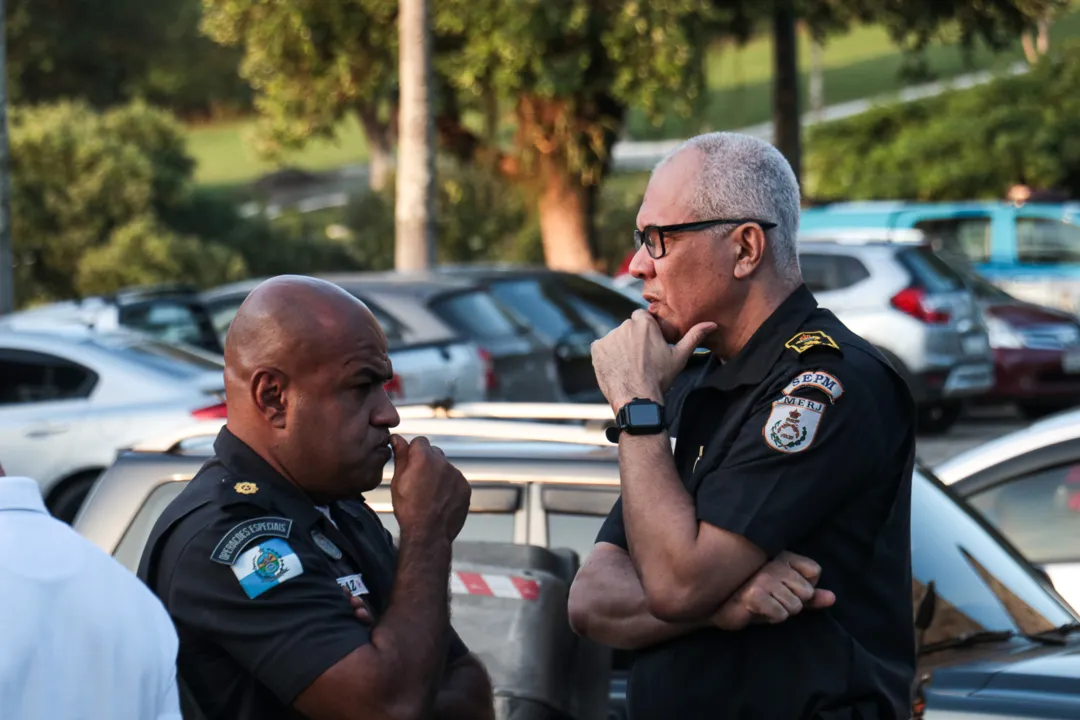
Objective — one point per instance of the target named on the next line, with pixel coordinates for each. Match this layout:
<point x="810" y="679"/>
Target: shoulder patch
<point x="792" y="424"/>
<point x="807" y="339"/>
<point x="266" y="565"/>
<point x="819" y="379"/>
<point x="238" y="537"/>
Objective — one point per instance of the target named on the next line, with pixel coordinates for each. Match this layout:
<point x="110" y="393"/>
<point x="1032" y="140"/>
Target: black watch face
<point x="644" y="415"/>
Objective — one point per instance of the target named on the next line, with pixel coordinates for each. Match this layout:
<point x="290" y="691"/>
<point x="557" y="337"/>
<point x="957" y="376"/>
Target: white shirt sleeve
<point x="170" y="702"/>
<point x="169" y="706"/>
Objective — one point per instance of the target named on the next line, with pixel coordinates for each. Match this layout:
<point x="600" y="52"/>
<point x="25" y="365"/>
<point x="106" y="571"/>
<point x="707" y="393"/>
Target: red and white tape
<point x="500" y="586"/>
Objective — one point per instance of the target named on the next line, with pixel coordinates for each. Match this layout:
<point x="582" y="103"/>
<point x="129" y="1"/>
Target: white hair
<point x="743" y="177"/>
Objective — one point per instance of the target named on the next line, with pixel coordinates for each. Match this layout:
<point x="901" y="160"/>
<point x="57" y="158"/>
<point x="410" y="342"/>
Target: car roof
<point x="65" y="334"/>
<point x="423" y="284"/>
<point x="862" y="236"/>
<point x="1061" y="427"/>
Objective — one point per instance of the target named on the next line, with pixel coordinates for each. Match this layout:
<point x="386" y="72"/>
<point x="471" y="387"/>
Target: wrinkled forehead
<point x="669" y="195"/>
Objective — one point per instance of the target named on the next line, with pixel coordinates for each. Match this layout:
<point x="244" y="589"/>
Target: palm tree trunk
<point x="414" y="211"/>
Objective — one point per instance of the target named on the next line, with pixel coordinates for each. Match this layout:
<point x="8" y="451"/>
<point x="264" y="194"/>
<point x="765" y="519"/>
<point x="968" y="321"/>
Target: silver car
<point x="1027" y="485"/>
<point x="995" y="638"/>
<point x="70" y="399"/>
<point x="913" y="307"/>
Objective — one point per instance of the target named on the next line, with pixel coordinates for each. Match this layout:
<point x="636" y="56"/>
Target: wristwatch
<point x="638" y="417"/>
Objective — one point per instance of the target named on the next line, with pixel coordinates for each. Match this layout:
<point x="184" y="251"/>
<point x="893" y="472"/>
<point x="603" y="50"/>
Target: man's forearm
<point x="466" y="693"/>
<point x="687" y="573"/>
<point x="659" y="515"/>
<point x="608" y="605"/>
<point x="415" y="628"/>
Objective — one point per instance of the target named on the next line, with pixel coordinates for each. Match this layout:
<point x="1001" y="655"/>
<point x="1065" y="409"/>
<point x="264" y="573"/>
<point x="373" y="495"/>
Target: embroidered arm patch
<point x="240" y="536"/>
<point x="266" y="565"/>
<point x="792" y="424"/>
<point x="817" y="379"/>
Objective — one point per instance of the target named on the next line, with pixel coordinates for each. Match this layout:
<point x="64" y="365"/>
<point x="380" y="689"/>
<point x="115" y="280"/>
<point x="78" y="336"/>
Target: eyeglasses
<point x="652" y="236"/>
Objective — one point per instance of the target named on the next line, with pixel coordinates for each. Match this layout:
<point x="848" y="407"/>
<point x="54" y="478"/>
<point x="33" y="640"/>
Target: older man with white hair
<point x="797" y="437"/>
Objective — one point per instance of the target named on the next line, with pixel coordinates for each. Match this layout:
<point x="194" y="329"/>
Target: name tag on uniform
<point x="353" y="584"/>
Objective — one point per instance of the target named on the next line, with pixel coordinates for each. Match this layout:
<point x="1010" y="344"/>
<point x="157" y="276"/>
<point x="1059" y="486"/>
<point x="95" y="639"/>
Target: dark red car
<point x="1036" y="350"/>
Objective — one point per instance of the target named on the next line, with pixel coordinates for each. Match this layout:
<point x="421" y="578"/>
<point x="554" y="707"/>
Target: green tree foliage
<point x="311" y="64"/>
<point x="110" y="51"/>
<point x="85" y="202"/>
<point x="970" y="144"/>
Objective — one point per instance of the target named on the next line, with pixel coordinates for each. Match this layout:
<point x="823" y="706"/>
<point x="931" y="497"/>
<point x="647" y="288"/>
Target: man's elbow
<point x="578" y="607"/>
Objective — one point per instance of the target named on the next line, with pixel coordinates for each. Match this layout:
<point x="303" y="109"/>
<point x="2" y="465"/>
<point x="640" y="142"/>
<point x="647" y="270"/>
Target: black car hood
<point x="1017" y="679"/>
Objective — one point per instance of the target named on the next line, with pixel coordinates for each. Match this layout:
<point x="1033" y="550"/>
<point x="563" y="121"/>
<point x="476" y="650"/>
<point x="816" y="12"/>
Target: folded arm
<point x="608" y="605"/>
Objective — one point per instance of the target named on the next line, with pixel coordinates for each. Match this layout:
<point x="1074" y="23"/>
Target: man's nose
<point x="642" y="265"/>
<point x="386" y="415"/>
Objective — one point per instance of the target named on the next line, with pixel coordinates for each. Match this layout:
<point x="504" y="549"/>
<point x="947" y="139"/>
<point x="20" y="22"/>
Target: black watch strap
<point x="638" y="417"/>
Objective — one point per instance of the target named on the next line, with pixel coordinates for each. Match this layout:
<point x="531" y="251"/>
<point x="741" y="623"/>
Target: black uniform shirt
<point x="253" y="573"/>
<point x="804" y="441"/>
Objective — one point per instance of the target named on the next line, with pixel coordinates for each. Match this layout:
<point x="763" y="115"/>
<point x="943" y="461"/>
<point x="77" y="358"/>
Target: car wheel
<point x="64" y="502"/>
<point x="938" y="418"/>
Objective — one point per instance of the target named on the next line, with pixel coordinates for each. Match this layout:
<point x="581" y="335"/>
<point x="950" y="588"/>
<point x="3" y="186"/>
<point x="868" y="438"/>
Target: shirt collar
<point x="238" y="457"/>
<point x="757" y="357"/>
<point x="20" y="493"/>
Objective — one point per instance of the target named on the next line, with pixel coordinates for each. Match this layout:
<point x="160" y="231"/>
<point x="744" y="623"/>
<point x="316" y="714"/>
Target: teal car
<point x="1032" y="251"/>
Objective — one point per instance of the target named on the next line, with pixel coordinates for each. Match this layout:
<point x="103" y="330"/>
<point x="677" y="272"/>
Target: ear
<point x="268" y="393"/>
<point x="749" y="249"/>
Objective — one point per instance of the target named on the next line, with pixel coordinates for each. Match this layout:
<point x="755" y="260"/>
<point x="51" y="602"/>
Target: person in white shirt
<point x="81" y="637"/>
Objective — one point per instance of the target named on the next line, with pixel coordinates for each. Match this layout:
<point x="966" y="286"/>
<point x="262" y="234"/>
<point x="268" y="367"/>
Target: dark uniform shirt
<point x="253" y="573"/>
<point x="803" y="441"/>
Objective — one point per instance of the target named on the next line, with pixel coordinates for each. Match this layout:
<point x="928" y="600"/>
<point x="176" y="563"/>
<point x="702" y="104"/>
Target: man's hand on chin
<point x="635" y="361"/>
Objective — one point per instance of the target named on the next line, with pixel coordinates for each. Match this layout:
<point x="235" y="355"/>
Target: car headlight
<point x="1002" y="334"/>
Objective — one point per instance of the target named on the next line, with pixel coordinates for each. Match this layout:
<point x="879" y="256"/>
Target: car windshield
<point x="981" y="582"/>
<point x="980" y="286"/>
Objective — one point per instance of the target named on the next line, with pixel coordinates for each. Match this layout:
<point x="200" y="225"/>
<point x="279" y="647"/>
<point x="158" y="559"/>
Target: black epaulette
<point x="808" y="343"/>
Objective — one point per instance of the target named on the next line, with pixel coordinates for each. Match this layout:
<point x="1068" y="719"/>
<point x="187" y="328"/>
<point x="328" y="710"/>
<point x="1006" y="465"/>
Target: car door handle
<point x="39" y="431"/>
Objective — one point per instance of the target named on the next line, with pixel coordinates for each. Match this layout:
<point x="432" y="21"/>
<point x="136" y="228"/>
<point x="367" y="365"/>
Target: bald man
<point x="288" y="595"/>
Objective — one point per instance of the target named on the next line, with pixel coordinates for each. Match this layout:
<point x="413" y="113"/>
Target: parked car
<point x="172" y="313"/>
<point x="913" y="307"/>
<point x="995" y="638"/>
<point x="1036" y="349"/>
<point x="1027" y="484"/>
<point x="1030" y="250"/>
<point x="432" y="362"/>
<point x="69" y="399"/>
<point x="567" y="311"/>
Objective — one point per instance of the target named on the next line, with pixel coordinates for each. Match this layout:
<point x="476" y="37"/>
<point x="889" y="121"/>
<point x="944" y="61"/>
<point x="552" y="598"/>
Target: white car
<point x="71" y="398"/>
<point x="1027" y="485"/>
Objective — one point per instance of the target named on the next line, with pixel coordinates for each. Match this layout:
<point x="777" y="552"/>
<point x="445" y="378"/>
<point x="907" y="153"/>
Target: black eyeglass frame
<point x="640" y="236"/>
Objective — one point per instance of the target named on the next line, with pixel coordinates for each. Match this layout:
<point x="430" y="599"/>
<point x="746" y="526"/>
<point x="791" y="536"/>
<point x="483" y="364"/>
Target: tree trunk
<point x="817" y="80"/>
<point x="786" y="121"/>
<point x="414" y="211"/>
<point x="564" y="223"/>
<point x="7" y="263"/>
<point x="380" y="148"/>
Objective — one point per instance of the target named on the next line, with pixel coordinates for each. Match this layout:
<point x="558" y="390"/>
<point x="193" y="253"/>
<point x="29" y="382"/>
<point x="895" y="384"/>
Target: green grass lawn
<point x="860" y="64"/>
<point x="223" y="157"/>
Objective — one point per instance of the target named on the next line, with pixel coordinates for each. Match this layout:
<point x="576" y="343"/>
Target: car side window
<point x="476" y="315"/>
<point x="31" y="377"/>
<point x="825" y="272"/>
<point x="1039" y="512"/>
<point x="601" y="308"/>
<point x="574" y="515"/>
<point x="1044" y="241"/>
<point x="395" y="333"/>
<point x="965" y="238"/>
<point x="491" y="518"/>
